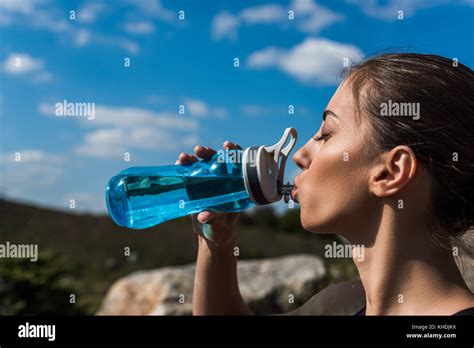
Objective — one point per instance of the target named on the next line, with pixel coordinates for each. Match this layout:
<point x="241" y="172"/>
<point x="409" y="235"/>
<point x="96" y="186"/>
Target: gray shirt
<point x="345" y="298"/>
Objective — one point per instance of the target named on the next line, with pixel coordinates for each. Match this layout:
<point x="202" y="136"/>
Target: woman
<point x="391" y="169"/>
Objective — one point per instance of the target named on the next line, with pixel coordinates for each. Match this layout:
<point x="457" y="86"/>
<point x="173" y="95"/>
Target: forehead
<point x="351" y="116"/>
<point x="342" y="102"/>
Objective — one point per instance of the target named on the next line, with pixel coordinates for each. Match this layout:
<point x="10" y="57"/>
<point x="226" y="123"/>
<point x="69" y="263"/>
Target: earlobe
<point x="397" y="168"/>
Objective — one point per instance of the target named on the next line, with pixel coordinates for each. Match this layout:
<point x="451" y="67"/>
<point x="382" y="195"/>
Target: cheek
<point x="331" y="189"/>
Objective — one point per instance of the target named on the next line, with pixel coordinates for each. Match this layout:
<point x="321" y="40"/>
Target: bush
<point x="41" y="287"/>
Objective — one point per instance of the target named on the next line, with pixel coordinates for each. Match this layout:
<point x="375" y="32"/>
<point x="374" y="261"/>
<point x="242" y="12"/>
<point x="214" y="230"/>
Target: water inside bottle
<point x="144" y="200"/>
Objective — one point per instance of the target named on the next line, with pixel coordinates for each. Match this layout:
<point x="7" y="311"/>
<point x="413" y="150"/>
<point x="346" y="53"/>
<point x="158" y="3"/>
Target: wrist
<point x="221" y="247"/>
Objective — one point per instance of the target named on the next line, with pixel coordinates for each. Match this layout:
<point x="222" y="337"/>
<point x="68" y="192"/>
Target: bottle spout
<point x="286" y="191"/>
<point x="263" y="169"/>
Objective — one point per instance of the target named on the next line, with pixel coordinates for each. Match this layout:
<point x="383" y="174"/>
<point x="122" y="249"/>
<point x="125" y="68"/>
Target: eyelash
<point x="321" y="137"/>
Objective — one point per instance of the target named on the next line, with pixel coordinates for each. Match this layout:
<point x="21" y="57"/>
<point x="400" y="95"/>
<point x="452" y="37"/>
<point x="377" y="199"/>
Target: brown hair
<point x="443" y="136"/>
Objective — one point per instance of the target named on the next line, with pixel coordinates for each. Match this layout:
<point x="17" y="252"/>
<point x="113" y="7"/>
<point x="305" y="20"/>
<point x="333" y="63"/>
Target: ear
<point x="397" y="168"/>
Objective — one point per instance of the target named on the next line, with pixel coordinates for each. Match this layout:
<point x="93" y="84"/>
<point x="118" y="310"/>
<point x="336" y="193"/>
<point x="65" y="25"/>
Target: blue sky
<point x="49" y="54"/>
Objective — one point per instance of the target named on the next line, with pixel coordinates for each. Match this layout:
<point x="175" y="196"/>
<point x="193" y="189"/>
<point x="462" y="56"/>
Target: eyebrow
<point x="328" y="112"/>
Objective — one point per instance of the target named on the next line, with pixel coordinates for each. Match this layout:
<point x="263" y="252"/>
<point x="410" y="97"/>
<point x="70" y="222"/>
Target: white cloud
<point x="19" y="6"/>
<point x="220" y="112"/>
<point x="118" y="130"/>
<point x="309" y="17"/>
<point x="270" y="56"/>
<point x="271" y="110"/>
<point x="127" y="45"/>
<point x="388" y="10"/>
<point x="269" y="13"/>
<point x="90" y="11"/>
<point x="197" y="107"/>
<point x="82" y="37"/>
<point x="42" y="77"/>
<point x="44" y="19"/>
<point x="314" y="61"/>
<point x="255" y="110"/>
<point x="139" y="27"/>
<point x="46" y="109"/>
<point x="43" y="15"/>
<point x="103" y="143"/>
<point x="126" y="117"/>
<point x="225" y="25"/>
<point x="114" y="142"/>
<point x="30" y="156"/>
<point x="34" y="13"/>
<point x="86" y="201"/>
<point x="200" y="108"/>
<point x="21" y="63"/>
<point x="152" y="8"/>
<point x="26" y="65"/>
<point x="129" y="117"/>
<point x="28" y="169"/>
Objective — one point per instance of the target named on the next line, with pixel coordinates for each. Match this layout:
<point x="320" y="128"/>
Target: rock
<point x="267" y="286"/>
<point x="151" y="292"/>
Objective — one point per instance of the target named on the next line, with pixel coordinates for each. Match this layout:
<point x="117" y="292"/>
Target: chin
<point x="311" y="223"/>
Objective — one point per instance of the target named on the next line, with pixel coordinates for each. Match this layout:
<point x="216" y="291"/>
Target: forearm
<point x="216" y="290"/>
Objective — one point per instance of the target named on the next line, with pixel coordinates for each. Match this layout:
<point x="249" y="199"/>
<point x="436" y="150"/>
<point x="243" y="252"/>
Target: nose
<point x="300" y="159"/>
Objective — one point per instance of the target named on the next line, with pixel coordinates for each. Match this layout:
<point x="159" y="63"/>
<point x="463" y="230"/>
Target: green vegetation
<point x="46" y="286"/>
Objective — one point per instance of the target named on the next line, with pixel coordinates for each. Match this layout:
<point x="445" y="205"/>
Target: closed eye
<point x="321" y="137"/>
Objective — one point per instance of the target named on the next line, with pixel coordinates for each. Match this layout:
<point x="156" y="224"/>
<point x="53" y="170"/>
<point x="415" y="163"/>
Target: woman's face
<point x="333" y="189"/>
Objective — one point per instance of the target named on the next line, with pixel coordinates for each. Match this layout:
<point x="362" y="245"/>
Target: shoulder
<point x="345" y="298"/>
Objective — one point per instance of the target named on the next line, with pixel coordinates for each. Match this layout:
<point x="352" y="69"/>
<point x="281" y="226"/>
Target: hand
<point x="219" y="227"/>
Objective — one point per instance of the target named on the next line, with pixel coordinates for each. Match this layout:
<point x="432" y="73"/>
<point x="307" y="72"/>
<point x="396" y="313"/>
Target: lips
<point x="294" y="193"/>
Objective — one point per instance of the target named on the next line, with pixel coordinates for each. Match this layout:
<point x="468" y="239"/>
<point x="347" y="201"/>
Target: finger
<point x="186" y="158"/>
<point x="203" y="151"/>
<point x="208" y="217"/>
<point x="231" y="146"/>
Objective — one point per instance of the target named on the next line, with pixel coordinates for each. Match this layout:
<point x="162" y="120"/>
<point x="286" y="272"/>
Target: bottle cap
<point x="263" y="168"/>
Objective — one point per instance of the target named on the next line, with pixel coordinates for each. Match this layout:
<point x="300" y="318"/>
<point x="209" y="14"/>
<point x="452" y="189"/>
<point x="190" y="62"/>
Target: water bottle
<point x="230" y="181"/>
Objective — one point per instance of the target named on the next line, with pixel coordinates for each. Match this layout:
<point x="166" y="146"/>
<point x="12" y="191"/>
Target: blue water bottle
<point x="230" y="181"/>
